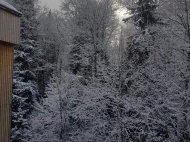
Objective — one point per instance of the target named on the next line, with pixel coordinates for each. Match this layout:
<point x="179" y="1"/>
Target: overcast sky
<point x="53" y="4"/>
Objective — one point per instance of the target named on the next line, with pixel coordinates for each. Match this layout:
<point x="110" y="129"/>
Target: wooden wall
<point x="6" y="73"/>
<point x="9" y="36"/>
<point x="9" y="27"/>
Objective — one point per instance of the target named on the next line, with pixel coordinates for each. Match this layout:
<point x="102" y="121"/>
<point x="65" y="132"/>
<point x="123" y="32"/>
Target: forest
<point x="83" y="73"/>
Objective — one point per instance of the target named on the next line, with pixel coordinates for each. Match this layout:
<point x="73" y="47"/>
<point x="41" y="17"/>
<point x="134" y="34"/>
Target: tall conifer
<point x="143" y="13"/>
<point x="25" y="90"/>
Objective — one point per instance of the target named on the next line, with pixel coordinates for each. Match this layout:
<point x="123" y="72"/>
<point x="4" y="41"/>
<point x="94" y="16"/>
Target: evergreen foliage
<point x="143" y="13"/>
<point x="80" y="60"/>
<point x="25" y="90"/>
<point x="48" y="49"/>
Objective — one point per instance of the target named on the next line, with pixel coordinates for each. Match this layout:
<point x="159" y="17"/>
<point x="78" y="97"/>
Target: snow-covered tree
<point x="143" y="13"/>
<point x="144" y="96"/>
<point x="48" y="48"/>
<point x="45" y="119"/>
<point x="25" y="90"/>
<point x="93" y="25"/>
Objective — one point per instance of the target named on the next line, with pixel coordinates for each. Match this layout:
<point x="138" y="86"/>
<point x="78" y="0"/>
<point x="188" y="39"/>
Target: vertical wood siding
<point x="6" y="73"/>
<point x="9" y="27"/>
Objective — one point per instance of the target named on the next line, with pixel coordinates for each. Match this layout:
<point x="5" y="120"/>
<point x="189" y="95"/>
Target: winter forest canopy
<point x="81" y="74"/>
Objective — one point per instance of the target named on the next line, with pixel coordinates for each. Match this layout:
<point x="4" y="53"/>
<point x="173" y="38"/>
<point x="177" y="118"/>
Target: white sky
<point x="53" y="4"/>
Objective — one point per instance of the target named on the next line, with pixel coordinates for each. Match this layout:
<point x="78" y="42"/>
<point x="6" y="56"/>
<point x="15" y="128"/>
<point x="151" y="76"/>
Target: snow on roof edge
<point x="6" y="6"/>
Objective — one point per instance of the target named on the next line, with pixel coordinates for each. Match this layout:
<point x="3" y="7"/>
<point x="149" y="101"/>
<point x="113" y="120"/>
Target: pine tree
<point x="48" y="46"/>
<point x="143" y="13"/>
<point x="79" y="61"/>
<point x="25" y="90"/>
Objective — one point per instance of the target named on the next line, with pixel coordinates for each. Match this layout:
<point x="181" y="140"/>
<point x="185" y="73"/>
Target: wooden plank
<point x="5" y="123"/>
<point x="9" y="27"/>
<point x="6" y="73"/>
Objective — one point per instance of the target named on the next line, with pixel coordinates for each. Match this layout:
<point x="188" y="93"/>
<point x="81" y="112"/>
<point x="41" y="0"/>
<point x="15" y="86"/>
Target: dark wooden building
<point x="9" y="37"/>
